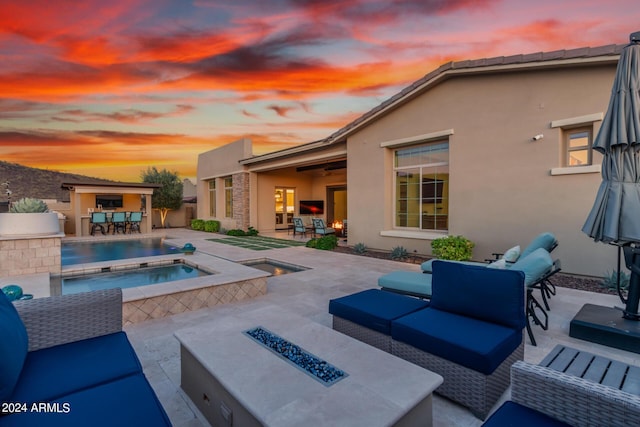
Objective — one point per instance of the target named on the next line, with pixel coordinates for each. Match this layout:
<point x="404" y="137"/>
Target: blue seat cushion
<point x="57" y="371"/>
<point x="374" y="309"/>
<point x="413" y="282"/>
<point x="472" y="343"/>
<point x="14" y="344"/>
<point x="128" y="401"/>
<point x="488" y="294"/>
<point x="511" y="414"/>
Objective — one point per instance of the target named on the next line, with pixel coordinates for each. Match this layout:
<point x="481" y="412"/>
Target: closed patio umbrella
<point x="615" y="216"/>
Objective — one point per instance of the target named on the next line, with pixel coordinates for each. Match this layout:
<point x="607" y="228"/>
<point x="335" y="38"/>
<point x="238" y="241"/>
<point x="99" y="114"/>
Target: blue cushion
<point x="534" y="265"/>
<point x="56" y="371"/>
<point x="374" y="309"/>
<point x="546" y="241"/>
<point x="487" y="294"/>
<point x="511" y="414"/>
<point x="14" y="345"/>
<point x="129" y="401"/>
<point x="478" y="345"/>
<point x="407" y="281"/>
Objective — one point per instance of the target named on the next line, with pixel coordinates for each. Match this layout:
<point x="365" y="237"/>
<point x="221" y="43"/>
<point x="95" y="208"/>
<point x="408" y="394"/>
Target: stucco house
<point x="497" y="150"/>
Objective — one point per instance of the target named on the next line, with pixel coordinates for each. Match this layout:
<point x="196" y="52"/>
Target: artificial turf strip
<point x="257" y="243"/>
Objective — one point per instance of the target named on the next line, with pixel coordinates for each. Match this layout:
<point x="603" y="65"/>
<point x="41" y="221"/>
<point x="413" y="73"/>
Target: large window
<point x="578" y="147"/>
<point x="212" y="198"/>
<point x="422" y="186"/>
<point x="228" y="197"/>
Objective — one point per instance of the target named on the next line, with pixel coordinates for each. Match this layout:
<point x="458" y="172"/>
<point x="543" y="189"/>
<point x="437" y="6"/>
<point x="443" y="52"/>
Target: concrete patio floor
<point x="307" y="293"/>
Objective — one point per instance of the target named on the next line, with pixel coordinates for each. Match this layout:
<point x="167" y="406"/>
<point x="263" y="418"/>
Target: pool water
<point x="129" y="278"/>
<point x="86" y="252"/>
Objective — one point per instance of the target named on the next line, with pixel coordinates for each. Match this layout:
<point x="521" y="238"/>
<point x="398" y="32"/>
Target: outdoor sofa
<point x="541" y="396"/>
<point x="537" y="266"/>
<point x="470" y="332"/>
<point x="65" y="361"/>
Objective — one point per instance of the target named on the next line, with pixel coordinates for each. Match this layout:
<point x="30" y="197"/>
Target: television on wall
<point x="311" y="207"/>
<point x="109" y="201"/>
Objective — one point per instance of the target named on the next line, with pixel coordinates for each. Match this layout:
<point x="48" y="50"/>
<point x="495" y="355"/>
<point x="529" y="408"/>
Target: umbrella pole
<point x="632" y="260"/>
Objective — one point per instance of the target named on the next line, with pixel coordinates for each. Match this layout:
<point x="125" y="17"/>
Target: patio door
<point x="336" y="205"/>
<point x="285" y="207"/>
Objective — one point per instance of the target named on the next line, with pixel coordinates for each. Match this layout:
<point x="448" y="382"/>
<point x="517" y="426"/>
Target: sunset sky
<point x="108" y="88"/>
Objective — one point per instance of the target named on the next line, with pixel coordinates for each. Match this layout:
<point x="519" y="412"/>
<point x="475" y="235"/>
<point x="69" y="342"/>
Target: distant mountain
<point x="24" y="181"/>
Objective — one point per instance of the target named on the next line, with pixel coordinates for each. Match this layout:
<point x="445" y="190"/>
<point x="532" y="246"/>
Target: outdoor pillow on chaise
<point x="544" y="240"/>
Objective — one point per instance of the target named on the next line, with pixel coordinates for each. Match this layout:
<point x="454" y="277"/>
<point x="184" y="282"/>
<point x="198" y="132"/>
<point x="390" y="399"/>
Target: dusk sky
<point x="109" y="88"/>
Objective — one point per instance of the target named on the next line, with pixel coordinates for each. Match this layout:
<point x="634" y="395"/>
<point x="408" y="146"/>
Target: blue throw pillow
<point x="545" y="241"/>
<point x="13" y="347"/>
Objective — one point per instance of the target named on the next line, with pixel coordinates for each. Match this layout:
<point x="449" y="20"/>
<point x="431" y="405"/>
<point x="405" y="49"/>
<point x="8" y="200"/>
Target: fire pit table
<point x="270" y="367"/>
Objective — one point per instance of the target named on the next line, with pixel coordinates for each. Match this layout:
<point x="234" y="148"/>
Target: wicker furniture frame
<point x="571" y="399"/>
<point x="67" y="318"/>
<point x="362" y="333"/>
<point x="475" y="390"/>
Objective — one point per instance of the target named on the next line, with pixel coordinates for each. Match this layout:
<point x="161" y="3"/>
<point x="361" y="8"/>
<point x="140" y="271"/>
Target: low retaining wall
<point x="166" y="305"/>
<point x="30" y="255"/>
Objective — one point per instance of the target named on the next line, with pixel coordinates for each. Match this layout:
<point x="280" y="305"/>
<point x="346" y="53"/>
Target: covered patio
<point x="87" y="198"/>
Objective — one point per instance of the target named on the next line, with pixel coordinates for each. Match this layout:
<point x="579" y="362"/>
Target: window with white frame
<point x="212" y="198"/>
<point x="228" y="197"/>
<point x="577" y="144"/>
<point x="421" y="174"/>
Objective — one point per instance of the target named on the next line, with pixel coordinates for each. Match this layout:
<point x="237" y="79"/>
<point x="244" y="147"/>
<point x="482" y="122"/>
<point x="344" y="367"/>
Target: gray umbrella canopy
<point x="615" y="216"/>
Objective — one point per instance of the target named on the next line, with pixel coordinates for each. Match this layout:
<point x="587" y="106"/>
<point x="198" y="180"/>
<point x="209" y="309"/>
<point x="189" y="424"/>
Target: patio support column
<point x="77" y="212"/>
<point x="148" y="224"/>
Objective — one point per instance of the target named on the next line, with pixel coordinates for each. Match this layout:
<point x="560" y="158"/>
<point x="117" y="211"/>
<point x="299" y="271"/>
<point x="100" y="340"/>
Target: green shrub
<point x="252" y="232"/>
<point x="454" y="248"/>
<point x="610" y="281"/>
<point x="360" y="248"/>
<point x="212" y="226"/>
<point x="399" y="253"/>
<point x="197" y="224"/>
<point x="29" y="205"/>
<point x="325" y="242"/>
<point x="236" y="232"/>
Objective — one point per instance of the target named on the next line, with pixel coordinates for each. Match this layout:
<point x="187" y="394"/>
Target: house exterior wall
<point x="501" y="189"/>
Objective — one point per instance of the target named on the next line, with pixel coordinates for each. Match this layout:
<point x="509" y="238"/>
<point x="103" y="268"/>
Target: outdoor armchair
<point x="320" y="228"/>
<point x="135" y="218"/>
<point x="98" y="221"/>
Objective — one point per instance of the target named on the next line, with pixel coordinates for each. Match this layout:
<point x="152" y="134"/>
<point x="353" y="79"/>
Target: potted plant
<point x="28" y="217"/>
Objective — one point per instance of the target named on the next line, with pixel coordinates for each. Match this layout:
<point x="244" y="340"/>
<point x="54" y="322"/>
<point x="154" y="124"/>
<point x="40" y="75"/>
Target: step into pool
<point x="276" y="268"/>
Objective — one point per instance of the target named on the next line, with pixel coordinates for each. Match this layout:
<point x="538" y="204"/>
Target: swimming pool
<point x="86" y="252"/>
<point x="126" y="278"/>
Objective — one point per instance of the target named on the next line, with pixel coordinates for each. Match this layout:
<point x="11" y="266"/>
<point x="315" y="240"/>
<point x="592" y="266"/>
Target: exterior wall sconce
<point x="538" y="137"/>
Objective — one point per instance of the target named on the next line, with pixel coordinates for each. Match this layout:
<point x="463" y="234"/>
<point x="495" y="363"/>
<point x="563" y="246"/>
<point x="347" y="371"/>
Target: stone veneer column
<point x="241" y="200"/>
<point x="20" y="256"/>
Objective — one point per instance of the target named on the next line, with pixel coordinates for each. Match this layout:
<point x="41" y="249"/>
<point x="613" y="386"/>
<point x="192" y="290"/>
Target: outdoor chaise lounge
<point x="545" y="240"/>
<point x="470" y="332"/>
<point x="68" y="356"/>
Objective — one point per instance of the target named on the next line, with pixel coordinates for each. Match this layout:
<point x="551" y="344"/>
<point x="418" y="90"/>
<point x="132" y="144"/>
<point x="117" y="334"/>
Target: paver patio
<point x="307" y="294"/>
